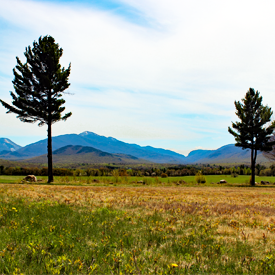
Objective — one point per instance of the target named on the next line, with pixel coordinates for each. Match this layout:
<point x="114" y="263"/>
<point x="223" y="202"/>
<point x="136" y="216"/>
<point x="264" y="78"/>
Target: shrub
<point x="164" y="175"/>
<point x="266" y="172"/>
<point x="200" y="178"/>
<point x="122" y="172"/>
<point x="89" y="172"/>
<point x="115" y="173"/>
<point x="62" y="172"/>
<point x="234" y="175"/>
<point x="78" y="172"/>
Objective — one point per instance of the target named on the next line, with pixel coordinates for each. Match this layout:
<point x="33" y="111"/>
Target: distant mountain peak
<point x="87" y="133"/>
<point x="8" y="145"/>
<point x="113" y="139"/>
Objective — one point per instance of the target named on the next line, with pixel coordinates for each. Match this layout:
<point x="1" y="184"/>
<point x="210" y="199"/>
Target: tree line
<point x="234" y="171"/>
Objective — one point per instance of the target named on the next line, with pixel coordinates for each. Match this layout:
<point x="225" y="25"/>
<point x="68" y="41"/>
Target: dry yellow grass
<point x="228" y="215"/>
<point x="246" y="213"/>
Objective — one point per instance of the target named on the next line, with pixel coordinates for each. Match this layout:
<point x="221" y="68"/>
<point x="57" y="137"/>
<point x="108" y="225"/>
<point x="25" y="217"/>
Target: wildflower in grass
<point x="174" y="265"/>
<point x="14" y="209"/>
<point x="17" y="271"/>
<point x="93" y="268"/>
<point x="51" y="228"/>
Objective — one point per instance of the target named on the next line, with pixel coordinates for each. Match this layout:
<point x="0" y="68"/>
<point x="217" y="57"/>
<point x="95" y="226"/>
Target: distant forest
<point x="174" y="171"/>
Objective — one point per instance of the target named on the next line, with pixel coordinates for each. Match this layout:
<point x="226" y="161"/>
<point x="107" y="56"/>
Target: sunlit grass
<point x="139" y="181"/>
<point x="48" y="229"/>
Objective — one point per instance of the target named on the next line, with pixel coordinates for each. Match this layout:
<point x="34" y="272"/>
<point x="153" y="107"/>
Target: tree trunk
<point x="252" y="168"/>
<point x="50" y="154"/>
<point x="253" y="165"/>
<point x="50" y="151"/>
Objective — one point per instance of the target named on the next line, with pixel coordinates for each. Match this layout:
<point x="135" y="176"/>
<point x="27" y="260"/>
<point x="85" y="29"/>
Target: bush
<point x="266" y="172"/>
<point x="200" y="178"/>
<point x="164" y="175"/>
<point x="89" y="172"/>
<point x="78" y="172"/>
<point x="62" y="172"/>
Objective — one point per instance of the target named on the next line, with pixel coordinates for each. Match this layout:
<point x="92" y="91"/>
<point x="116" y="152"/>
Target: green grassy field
<point x="133" y="181"/>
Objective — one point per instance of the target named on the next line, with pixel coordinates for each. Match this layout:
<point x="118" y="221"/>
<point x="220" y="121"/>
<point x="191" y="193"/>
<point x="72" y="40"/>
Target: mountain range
<point x="85" y="154"/>
<point x="105" y="144"/>
<point x="99" y="149"/>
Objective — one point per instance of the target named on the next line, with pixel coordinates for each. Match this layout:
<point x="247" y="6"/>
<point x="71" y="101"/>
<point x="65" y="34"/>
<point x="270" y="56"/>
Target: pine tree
<point x="38" y="85"/>
<point x="255" y="128"/>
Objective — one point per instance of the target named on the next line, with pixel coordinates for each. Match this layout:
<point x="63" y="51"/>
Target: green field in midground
<point x="184" y="180"/>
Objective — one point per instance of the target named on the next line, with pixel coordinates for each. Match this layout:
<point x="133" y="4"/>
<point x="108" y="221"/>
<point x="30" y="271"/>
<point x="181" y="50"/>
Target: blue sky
<point x="163" y="73"/>
<point x="120" y="8"/>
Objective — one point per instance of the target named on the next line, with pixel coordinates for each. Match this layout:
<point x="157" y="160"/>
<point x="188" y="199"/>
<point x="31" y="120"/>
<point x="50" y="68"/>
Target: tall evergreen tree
<point x="38" y="85"/>
<point x="255" y="128"/>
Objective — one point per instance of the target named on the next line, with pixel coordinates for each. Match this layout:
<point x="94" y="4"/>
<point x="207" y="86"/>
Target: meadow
<point x="241" y="180"/>
<point x="156" y="229"/>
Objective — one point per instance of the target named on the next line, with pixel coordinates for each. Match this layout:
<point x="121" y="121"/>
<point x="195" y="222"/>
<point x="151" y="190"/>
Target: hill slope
<point x="12" y="155"/>
<point x="85" y="154"/>
<point x="225" y="154"/>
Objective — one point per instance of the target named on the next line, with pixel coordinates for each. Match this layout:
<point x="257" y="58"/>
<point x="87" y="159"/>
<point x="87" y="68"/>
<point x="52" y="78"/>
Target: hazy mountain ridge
<point x="105" y="144"/>
<point x="112" y="145"/>
<point x="89" y="142"/>
<point x="196" y="155"/>
<point x="85" y="154"/>
<point x="225" y="154"/>
<point x="11" y="155"/>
